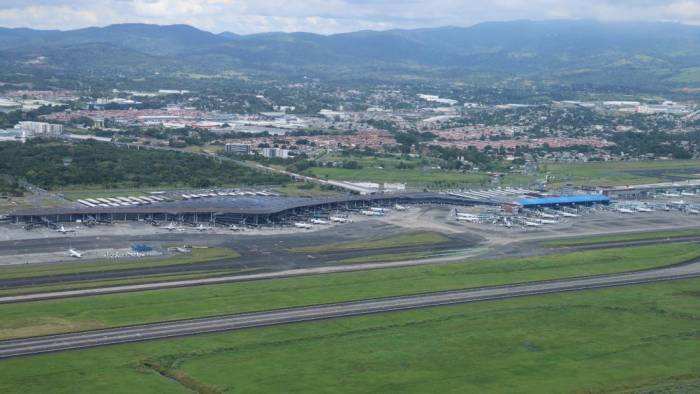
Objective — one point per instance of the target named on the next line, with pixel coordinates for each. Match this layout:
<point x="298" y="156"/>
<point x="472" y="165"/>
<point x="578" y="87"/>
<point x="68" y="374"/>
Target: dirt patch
<point x="49" y="325"/>
<point x="182" y="379"/>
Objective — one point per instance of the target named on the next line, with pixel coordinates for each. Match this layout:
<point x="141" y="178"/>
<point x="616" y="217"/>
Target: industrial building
<point x="541" y="202"/>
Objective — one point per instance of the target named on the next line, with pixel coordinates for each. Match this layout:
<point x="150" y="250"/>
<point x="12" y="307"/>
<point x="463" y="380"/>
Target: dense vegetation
<point x="57" y="164"/>
<point x="577" y="55"/>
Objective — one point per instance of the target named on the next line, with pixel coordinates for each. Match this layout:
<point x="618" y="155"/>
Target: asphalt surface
<point x="258" y="252"/>
<point x="137" y="333"/>
<point x="230" y="278"/>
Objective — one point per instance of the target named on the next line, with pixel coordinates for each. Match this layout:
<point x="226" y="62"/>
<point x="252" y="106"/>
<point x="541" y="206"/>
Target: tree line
<point x="54" y="165"/>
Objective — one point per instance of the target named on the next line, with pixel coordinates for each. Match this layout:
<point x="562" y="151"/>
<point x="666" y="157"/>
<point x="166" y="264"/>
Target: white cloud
<point x="330" y="16"/>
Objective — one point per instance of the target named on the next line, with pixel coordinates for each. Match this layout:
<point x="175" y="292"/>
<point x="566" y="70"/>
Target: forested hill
<point x="589" y="52"/>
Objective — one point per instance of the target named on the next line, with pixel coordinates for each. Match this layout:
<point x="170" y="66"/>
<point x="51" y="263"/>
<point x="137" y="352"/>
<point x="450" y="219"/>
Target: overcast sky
<point x="330" y="16"/>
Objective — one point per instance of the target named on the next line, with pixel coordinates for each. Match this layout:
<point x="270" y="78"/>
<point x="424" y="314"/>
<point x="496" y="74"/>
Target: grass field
<point x="387" y="257"/>
<point x="612" y="340"/>
<point x="198" y="255"/>
<point x="625" y="237"/>
<point x="413" y="177"/>
<point x="624" y="172"/>
<point x="300" y="190"/>
<point x="54" y="316"/>
<point x="424" y="238"/>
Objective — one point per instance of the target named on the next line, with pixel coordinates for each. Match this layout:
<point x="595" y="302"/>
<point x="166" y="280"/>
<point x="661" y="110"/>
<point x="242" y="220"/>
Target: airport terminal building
<point x="267" y="210"/>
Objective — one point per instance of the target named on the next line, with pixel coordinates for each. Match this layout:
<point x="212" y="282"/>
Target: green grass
<point x="387" y="257"/>
<point x="300" y="190"/>
<point x="622" y="172"/>
<point x="198" y="255"/>
<point x="413" y="177"/>
<point x="55" y="316"/>
<point x="688" y="75"/>
<point x="607" y="340"/>
<point x="424" y="238"/>
<point x="625" y="237"/>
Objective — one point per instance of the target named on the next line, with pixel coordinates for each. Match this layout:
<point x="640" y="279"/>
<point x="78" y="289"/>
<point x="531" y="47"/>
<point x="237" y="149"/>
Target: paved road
<point x="145" y="332"/>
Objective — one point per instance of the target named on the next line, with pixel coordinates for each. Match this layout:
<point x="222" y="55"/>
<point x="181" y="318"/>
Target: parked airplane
<point x="688" y="194"/>
<point x="173" y="227"/>
<point x="670" y="194"/>
<point x="400" y="207"/>
<point x="372" y="213"/>
<point x="625" y="210"/>
<point x="528" y="223"/>
<point x="467" y="217"/>
<point x="74" y="253"/>
<point x="319" y="221"/>
<point x="202" y="227"/>
<point x="64" y="230"/>
<point x="340" y="219"/>
<point x="568" y="214"/>
<point x="693" y="211"/>
<point x="380" y="210"/>
<point x="233" y="227"/>
<point x="548" y="221"/>
<point x="643" y="209"/>
<point x="470" y="219"/>
<point x="305" y="226"/>
<point x="548" y="216"/>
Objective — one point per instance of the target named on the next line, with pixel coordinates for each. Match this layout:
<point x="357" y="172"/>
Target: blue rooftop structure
<point x="583" y="199"/>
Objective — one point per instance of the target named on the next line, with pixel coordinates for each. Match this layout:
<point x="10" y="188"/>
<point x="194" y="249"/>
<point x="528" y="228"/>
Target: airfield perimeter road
<point x="137" y="333"/>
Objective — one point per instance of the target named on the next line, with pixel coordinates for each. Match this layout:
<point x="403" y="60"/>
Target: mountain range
<point x="566" y="51"/>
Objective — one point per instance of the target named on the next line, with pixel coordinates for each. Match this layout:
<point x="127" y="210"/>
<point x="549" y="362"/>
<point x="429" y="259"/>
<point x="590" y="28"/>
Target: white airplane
<point x="74" y="253"/>
<point x="548" y="221"/>
<point x="339" y="219"/>
<point x="625" y="210"/>
<point x="693" y="211"/>
<point x="400" y="207"/>
<point x="568" y="214"/>
<point x="64" y="230"/>
<point x="380" y="210"/>
<point x="528" y="223"/>
<point x="688" y="194"/>
<point x="670" y="194"/>
<point x="508" y="224"/>
<point x="643" y="209"/>
<point x="372" y="213"/>
<point x="305" y="226"/>
<point x="233" y="227"/>
<point x="201" y="227"/>
<point x="548" y="216"/>
<point x="173" y="227"/>
<point x="470" y="219"/>
<point x="319" y="221"/>
<point x="679" y="202"/>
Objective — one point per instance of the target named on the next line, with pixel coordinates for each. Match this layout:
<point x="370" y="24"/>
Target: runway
<point x="235" y="278"/>
<point x="137" y="333"/>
